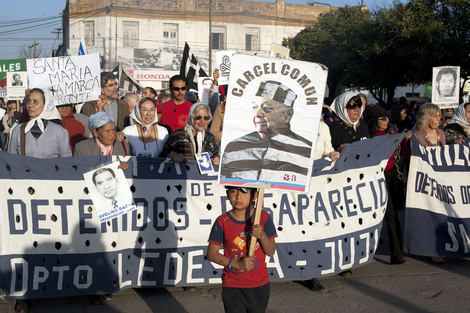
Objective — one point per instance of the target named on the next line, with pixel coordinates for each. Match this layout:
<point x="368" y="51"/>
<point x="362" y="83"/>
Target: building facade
<point x="148" y="36"/>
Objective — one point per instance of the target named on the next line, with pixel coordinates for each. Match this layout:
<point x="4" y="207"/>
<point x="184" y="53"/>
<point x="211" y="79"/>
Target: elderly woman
<point x="39" y="136"/>
<point x="458" y="128"/>
<point x="184" y="143"/>
<point x="104" y="141"/>
<point x="426" y="130"/>
<point x="349" y="127"/>
<point x="145" y="136"/>
<point x="377" y="119"/>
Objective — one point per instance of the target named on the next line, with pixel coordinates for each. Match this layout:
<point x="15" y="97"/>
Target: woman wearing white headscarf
<point x="184" y="143"/>
<point x="145" y="136"/>
<point x="349" y="127"/>
<point x="39" y="136"/>
<point x="458" y="128"/>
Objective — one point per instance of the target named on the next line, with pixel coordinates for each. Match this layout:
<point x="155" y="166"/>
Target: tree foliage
<point x="25" y="52"/>
<point x="389" y="47"/>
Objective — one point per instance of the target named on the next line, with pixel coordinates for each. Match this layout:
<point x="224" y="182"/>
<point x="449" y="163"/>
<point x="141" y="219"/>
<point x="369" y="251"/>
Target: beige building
<point x="148" y="36"/>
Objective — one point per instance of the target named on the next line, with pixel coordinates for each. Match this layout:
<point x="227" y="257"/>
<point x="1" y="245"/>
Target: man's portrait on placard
<point x="204" y="88"/>
<point x="273" y="146"/>
<point x="109" y="191"/>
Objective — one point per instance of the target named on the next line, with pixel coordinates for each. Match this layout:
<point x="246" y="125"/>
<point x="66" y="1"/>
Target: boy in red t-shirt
<point x="245" y="279"/>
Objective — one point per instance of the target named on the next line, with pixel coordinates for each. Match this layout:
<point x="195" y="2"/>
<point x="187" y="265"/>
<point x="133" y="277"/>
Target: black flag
<point x="190" y="69"/>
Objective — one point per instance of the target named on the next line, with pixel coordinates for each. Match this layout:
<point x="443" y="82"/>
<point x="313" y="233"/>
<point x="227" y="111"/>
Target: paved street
<point x="420" y="286"/>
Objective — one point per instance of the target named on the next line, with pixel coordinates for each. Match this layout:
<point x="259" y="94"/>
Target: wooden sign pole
<point x="259" y="207"/>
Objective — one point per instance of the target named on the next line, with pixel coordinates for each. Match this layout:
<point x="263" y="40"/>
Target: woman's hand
<point x="121" y="136"/>
<point x="408" y="135"/>
<point x="334" y="155"/>
<point x="123" y="166"/>
<point x="215" y="160"/>
<point x="459" y="141"/>
<point x="176" y="157"/>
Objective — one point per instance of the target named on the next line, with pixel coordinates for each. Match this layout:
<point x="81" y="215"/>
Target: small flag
<point x="82" y="50"/>
<point x="126" y="81"/>
<point x="190" y="68"/>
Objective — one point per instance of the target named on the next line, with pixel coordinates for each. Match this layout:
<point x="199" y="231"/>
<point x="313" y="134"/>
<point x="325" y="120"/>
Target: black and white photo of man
<point x="273" y="149"/>
<point x="109" y="191"/>
<point x="17" y="80"/>
<point x="106" y="183"/>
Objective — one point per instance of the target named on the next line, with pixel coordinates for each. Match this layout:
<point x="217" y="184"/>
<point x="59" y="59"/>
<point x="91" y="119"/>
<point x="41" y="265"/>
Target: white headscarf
<point x="190" y="125"/>
<point x="135" y="114"/>
<point x="339" y="107"/>
<point x="48" y="113"/>
<point x="459" y="116"/>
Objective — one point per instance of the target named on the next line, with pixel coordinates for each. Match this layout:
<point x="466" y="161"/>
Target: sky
<point x="24" y="32"/>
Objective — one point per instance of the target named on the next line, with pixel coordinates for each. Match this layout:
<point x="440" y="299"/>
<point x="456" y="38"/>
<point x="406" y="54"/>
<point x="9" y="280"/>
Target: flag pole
<point x="259" y="207"/>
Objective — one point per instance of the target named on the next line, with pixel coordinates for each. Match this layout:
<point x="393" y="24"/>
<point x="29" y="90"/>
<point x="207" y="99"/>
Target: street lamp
<point x="313" y="3"/>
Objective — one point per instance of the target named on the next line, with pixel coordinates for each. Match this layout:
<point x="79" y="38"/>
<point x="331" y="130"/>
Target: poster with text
<point x="71" y="79"/>
<point x="12" y="65"/>
<point x="223" y="60"/>
<point x="445" y="86"/>
<point x="109" y="191"/>
<point x="272" y="122"/>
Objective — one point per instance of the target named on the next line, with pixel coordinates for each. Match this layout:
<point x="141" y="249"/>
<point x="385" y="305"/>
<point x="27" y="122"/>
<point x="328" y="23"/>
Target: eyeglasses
<point x="199" y="117"/>
<point x="111" y="85"/>
<point x="385" y="118"/>
<point x="352" y="106"/>
<point x="178" y="88"/>
<point x="264" y="107"/>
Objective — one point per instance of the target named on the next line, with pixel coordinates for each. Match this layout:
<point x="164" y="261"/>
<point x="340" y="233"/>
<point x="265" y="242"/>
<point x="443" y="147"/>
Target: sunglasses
<point x="353" y="105"/>
<point x="199" y="117"/>
<point x="178" y="88"/>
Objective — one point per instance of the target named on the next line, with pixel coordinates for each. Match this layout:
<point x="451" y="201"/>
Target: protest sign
<point x="53" y="245"/>
<point x="445" y="86"/>
<point x="271" y="124"/>
<point x="278" y="51"/>
<point x="109" y="191"/>
<point x="13" y="65"/>
<point x="71" y="79"/>
<point x="223" y="61"/>
<point x="437" y="220"/>
<point x="17" y="83"/>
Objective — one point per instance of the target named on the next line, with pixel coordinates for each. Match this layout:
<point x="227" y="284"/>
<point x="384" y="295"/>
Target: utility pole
<point x="210" y="37"/>
<point x="115" y="38"/>
<point x="35" y="45"/>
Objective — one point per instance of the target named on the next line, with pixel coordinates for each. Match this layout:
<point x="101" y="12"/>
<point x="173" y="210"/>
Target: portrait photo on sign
<point x="204" y="85"/>
<point x="17" y="83"/>
<point x="109" y="191"/>
<point x="204" y="163"/>
<point x="445" y="86"/>
<point x="271" y="124"/>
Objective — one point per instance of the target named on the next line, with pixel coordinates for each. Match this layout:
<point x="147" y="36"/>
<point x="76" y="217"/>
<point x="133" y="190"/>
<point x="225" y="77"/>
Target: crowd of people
<point x="167" y="125"/>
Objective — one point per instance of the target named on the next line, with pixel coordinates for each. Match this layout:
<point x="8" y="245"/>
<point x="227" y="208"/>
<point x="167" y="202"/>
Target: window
<point x="170" y="37"/>
<point x="89" y="31"/>
<point x="252" y="39"/>
<point x="130" y="32"/>
<point x="219" y="35"/>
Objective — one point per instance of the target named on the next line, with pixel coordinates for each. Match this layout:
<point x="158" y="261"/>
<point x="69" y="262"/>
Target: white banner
<point x="53" y="245"/>
<point x="223" y="61"/>
<point x="71" y="79"/>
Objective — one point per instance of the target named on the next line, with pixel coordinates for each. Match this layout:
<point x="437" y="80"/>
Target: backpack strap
<point x="23" y="138"/>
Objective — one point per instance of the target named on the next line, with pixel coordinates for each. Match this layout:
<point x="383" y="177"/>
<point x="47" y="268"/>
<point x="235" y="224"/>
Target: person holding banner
<point x="104" y="141"/>
<point x="146" y="137"/>
<point x="109" y="101"/>
<point x="38" y="135"/>
<point x="184" y="143"/>
<point x="458" y="128"/>
<point x="349" y="127"/>
<point x="245" y="279"/>
<point x="377" y="119"/>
